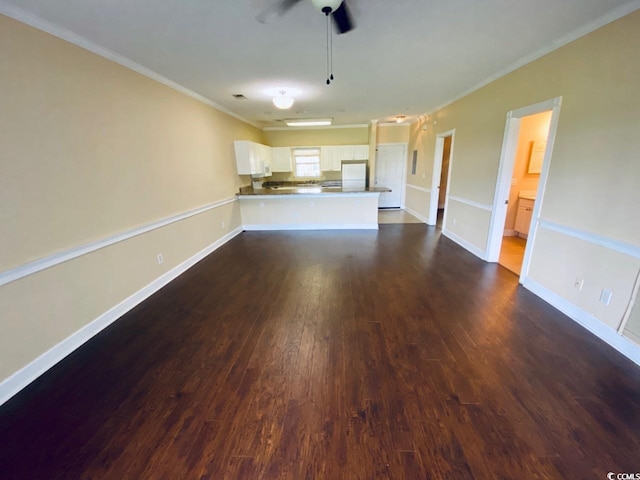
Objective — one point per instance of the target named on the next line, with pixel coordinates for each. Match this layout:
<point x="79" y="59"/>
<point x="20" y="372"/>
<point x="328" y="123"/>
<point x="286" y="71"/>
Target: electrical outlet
<point x="578" y="284"/>
<point x="454" y="222"/>
<point x="160" y="259"/>
<point x="605" y="296"/>
<point x="222" y="225"/>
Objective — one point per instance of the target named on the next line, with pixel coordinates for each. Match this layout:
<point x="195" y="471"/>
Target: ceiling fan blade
<point x="286" y="5"/>
<point x="342" y="18"/>
<point x="279" y="7"/>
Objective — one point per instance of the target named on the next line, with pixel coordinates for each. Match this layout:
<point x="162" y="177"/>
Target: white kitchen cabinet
<point x="252" y="157"/>
<point x="346" y="152"/>
<point x="354" y="152"/>
<point x="264" y="155"/>
<point x="281" y="159"/>
<point x="246" y="157"/>
<point x="361" y="152"/>
<point x="523" y="215"/>
<point x="330" y="158"/>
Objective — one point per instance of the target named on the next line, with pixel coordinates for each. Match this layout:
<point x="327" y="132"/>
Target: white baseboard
<point x="417" y="215"/>
<point x="23" y="377"/>
<point x="464" y="244"/>
<point x="625" y="346"/>
<point x="320" y="226"/>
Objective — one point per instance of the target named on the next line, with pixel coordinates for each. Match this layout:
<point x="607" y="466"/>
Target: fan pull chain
<point x="331" y="51"/>
<point x="329" y="68"/>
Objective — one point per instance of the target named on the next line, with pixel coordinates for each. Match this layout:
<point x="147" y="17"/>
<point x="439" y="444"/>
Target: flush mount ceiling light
<point x="283" y="101"/>
<point x="308" y="122"/>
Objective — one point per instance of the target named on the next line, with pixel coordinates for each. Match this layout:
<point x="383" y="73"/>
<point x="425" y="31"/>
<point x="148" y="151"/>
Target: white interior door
<point x="390" y="163"/>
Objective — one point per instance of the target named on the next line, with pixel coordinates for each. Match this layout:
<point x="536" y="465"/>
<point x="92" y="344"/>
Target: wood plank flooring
<point x="512" y="253"/>
<point x="332" y="355"/>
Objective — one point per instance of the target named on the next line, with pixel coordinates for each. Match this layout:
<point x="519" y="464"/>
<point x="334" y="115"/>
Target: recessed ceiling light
<point x="308" y="122"/>
<point x="239" y="96"/>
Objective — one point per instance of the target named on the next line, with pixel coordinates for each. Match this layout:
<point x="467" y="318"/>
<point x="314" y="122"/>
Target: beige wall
<point x="533" y="128"/>
<point x="89" y="150"/>
<point x="422" y="141"/>
<point x="594" y="173"/>
<point x="315" y="137"/>
<point x="397" y="133"/>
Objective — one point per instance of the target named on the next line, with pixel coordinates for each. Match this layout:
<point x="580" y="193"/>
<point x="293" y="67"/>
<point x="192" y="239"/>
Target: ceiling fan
<point x="337" y="9"/>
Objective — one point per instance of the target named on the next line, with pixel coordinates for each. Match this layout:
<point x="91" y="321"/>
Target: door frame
<point x="403" y="182"/>
<point x="432" y="218"/>
<point x="505" y="172"/>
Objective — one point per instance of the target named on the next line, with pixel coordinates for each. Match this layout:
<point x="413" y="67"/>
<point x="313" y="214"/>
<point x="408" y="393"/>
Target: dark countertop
<point x="308" y="189"/>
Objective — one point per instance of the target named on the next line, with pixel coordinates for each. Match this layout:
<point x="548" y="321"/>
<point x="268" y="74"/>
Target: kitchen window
<point x="306" y="162"/>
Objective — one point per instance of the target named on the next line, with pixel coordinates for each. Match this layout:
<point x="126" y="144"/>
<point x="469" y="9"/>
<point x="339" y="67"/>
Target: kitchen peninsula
<point x="309" y="206"/>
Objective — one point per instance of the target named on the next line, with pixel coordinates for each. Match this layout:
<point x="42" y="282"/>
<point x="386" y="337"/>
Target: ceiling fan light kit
<point x="322" y="4"/>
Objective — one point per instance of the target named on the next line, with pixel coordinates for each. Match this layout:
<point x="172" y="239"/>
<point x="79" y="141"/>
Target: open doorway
<point x="440" y="180"/>
<point x="532" y="141"/>
<point x="524" y="167"/>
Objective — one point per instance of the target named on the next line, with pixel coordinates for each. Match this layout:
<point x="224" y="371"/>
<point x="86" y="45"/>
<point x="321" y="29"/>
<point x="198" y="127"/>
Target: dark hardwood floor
<point x="333" y="355"/>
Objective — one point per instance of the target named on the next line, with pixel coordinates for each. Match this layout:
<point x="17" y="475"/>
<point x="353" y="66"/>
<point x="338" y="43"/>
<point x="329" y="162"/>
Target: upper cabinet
<point x="331" y="158"/>
<point x="354" y="152"/>
<point x="260" y="160"/>
<point x="265" y="155"/>
<point x="252" y="158"/>
<point x="281" y="159"/>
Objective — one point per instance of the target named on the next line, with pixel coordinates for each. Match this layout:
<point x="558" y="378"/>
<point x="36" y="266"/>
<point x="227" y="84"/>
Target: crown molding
<point x="62" y="33"/>
<point x="579" y="32"/>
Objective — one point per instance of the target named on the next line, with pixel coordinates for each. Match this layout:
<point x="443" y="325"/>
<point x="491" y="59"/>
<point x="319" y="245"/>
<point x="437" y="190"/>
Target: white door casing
<point x="505" y="171"/>
<point x="437" y="173"/>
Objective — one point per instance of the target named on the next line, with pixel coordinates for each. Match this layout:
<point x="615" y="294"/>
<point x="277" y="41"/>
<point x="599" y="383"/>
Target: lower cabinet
<point x="523" y="215"/>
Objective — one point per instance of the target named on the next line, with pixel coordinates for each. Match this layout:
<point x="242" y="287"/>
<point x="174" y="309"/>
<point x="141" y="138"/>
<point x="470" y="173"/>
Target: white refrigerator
<point x="354" y="175"/>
